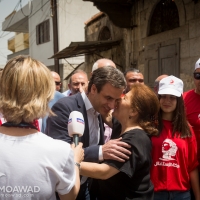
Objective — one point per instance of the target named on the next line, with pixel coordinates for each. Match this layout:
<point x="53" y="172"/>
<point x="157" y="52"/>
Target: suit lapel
<point x="102" y="129"/>
<point x="81" y="108"/>
<point x="86" y="137"/>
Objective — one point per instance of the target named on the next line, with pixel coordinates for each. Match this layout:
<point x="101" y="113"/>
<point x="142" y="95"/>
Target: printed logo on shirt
<point x="80" y="120"/>
<point x="22" y="191"/>
<point x="169" y="149"/>
<point x="199" y="116"/>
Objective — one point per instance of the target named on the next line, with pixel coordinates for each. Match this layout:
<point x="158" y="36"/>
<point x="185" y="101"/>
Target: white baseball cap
<point x="171" y="85"/>
<point x="197" y="64"/>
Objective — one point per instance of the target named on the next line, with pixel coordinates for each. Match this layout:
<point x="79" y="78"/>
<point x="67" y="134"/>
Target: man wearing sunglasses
<point x="192" y="104"/>
<point x="133" y="76"/>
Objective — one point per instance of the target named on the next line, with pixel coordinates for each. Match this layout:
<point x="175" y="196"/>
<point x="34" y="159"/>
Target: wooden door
<point x="161" y="58"/>
<point x="168" y="60"/>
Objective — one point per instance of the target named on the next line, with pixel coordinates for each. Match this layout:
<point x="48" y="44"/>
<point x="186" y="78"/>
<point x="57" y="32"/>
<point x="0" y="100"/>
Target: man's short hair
<point x="107" y="74"/>
<point x="131" y="70"/>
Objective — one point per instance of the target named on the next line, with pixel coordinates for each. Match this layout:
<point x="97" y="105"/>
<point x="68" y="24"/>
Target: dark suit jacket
<point x="57" y="96"/>
<point x="56" y="126"/>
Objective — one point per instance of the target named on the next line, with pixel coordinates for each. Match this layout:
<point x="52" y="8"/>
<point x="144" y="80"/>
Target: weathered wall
<point x="92" y="34"/>
<point x="188" y="33"/>
<point x="137" y="46"/>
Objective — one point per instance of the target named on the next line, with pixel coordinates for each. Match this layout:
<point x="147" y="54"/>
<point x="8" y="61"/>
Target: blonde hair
<point x="26" y="88"/>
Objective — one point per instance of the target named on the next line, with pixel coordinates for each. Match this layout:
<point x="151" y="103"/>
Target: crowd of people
<point x="138" y="143"/>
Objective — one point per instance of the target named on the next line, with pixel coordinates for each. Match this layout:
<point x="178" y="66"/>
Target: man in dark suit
<point x="57" y="96"/>
<point x="104" y="90"/>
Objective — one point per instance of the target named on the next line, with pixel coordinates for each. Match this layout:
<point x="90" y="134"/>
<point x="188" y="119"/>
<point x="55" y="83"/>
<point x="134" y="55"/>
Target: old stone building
<point x="157" y="36"/>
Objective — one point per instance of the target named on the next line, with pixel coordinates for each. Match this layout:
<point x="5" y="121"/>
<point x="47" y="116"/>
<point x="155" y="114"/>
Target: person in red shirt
<point x="174" y="167"/>
<point x="192" y="105"/>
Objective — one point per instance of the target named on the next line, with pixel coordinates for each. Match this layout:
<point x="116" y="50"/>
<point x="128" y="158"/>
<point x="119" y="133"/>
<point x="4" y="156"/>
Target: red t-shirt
<point x="173" y="159"/>
<point x="192" y="105"/>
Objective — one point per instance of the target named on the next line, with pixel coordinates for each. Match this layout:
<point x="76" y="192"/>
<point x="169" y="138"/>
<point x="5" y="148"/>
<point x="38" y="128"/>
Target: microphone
<point x="76" y="126"/>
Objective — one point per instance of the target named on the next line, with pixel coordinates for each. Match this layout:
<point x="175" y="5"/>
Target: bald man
<point x="103" y="62"/>
<point x="56" y="78"/>
<point x="57" y="96"/>
<point x="156" y="83"/>
<point x="78" y="82"/>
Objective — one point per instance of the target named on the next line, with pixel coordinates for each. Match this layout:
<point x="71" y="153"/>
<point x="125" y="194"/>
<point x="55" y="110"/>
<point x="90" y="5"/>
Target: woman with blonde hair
<point x="129" y="179"/>
<point x="33" y="165"/>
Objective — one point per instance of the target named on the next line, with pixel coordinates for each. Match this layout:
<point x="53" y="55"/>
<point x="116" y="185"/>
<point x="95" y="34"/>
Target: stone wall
<point x="188" y="32"/>
<point x="117" y="54"/>
<point x="137" y="46"/>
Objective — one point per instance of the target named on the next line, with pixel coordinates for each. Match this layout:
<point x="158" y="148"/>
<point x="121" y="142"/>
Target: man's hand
<point x="116" y="150"/>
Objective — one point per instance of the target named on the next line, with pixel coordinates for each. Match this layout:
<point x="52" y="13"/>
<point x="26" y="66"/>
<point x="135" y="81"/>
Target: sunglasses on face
<point x="57" y="82"/>
<point x="197" y="75"/>
<point x="136" y="80"/>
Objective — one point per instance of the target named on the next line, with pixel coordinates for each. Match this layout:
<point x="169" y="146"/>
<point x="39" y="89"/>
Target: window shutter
<point x="37" y="34"/>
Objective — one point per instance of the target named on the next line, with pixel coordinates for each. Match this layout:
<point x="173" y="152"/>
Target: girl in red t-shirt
<point x="174" y="152"/>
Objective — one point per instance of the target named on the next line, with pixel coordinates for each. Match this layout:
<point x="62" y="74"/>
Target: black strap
<point x="20" y="125"/>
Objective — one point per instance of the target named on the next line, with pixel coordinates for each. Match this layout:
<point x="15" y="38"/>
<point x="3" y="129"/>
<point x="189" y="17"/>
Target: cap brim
<point x="170" y="91"/>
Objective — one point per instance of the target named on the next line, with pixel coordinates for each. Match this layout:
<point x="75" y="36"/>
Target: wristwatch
<point x="78" y="165"/>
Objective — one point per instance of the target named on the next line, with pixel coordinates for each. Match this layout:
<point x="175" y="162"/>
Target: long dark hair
<point x="179" y="121"/>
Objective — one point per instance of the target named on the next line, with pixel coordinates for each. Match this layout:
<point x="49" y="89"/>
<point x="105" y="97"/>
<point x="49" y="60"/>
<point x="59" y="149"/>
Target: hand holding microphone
<point x="76" y="126"/>
<point x="78" y="153"/>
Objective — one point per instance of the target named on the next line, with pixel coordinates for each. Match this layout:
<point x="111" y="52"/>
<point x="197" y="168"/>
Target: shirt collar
<point x="88" y="104"/>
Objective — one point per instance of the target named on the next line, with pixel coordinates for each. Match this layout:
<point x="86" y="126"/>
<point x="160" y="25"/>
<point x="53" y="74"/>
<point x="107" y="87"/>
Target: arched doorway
<point x="165" y="17"/>
<point x="162" y="57"/>
<point x="104" y="34"/>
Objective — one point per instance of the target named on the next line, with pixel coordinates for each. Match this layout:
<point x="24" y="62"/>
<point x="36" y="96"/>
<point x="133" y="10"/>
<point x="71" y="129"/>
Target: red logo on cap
<point x="171" y="82"/>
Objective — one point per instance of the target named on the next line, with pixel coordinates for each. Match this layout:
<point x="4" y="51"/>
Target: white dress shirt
<point x="93" y="122"/>
<point x="94" y="130"/>
<point x="67" y="93"/>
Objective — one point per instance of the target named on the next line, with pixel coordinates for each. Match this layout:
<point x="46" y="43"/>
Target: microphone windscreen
<point x="76" y="124"/>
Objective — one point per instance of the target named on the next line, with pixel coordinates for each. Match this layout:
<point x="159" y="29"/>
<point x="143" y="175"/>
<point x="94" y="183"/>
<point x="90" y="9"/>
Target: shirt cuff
<point x="100" y="153"/>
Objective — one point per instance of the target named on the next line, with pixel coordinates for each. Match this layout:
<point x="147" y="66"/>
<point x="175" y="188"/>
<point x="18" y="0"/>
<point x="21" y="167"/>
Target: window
<point x="104" y="34"/>
<point x="165" y="17"/>
<point x="43" y="32"/>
